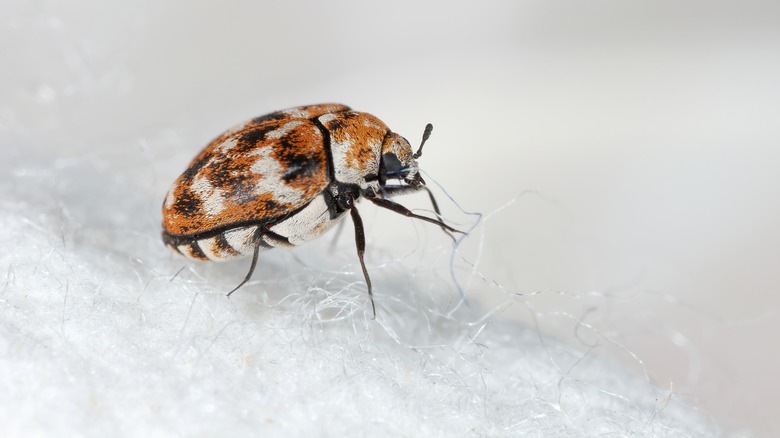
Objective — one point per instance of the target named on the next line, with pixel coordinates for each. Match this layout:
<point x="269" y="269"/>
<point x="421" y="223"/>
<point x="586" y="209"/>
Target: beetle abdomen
<point x="308" y="223"/>
<point x="225" y="245"/>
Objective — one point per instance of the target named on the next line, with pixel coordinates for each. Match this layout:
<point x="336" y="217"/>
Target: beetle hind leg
<point x="251" y="267"/>
<point x="258" y="243"/>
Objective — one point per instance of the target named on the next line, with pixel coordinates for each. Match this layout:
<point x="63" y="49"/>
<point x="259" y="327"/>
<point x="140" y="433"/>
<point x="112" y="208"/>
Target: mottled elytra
<point x="285" y="178"/>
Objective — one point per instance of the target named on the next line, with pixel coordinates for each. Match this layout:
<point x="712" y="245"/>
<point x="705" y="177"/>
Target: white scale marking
<point x="325" y="118"/>
<point x="212" y="197"/>
<point x="227" y="145"/>
<point x="307" y="224"/>
<point x="272" y="182"/>
<point x="241" y="239"/>
<point x="207" y="246"/>
<point x="279" y="133"/>
<point x="169" y="199"/>
<point x="296" y="112"/>
<point x="186" y="250"/>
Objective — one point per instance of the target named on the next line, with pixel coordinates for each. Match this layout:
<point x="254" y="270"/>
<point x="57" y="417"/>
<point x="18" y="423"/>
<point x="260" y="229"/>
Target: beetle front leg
<point x="390" y="191"/>
<point x="400" y="209"/>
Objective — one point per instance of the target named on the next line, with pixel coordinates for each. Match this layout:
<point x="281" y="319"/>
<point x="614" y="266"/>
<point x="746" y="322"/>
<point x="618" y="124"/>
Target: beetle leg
<point x="360" y="242"/>
<point x="390" y="191"/>
<point x="258" y="244"/>
<point x="251" y="268"/>
<point x="400" y="209"/>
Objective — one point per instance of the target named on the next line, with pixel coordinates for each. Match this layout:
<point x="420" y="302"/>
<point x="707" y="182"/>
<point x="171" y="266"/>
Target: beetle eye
<point x="391" y="163"/>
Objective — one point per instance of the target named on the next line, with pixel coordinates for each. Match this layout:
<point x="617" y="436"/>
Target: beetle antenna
<point x="426" y="135"/>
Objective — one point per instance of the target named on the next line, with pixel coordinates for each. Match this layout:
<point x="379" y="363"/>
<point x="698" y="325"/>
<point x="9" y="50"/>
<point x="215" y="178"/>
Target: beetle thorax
<point x="355" y="146"/>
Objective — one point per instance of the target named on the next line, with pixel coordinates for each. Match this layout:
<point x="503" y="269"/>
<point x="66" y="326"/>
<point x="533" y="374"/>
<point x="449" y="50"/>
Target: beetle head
<point x="398" y="161"/>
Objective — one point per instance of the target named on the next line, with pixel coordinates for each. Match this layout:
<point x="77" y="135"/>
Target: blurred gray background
<point x="644" y="135"/>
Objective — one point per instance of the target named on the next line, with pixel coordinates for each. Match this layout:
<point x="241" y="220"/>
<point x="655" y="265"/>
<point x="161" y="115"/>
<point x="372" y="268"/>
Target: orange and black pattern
<point x="264" y="169"/>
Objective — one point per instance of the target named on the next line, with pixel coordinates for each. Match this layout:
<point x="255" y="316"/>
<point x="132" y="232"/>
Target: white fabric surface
<point x="104" y="331"/>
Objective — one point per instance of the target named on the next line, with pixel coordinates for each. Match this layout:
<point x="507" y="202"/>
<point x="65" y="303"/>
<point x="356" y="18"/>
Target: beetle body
<point x="284" y="179"/>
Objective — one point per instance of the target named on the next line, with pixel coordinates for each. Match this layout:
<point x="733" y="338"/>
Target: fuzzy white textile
<point x="100" y="334"/>
<point x="618" y="283"/>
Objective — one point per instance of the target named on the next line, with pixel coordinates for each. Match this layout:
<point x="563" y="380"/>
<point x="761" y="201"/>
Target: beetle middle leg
<point x="360" y="242"/>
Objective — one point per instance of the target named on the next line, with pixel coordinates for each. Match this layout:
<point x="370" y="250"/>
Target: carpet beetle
<point x="285" y="178"/>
